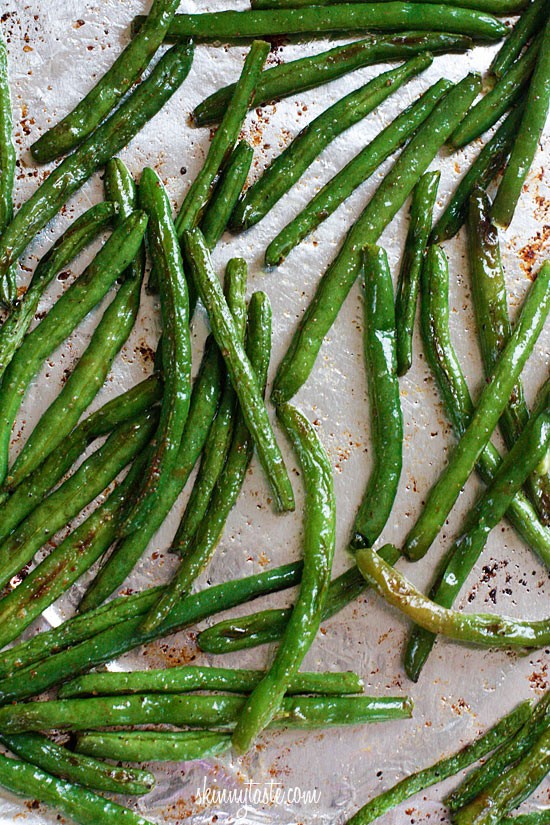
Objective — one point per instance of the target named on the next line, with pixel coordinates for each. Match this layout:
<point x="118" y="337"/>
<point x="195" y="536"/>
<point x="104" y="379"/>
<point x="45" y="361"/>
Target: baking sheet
<point x="57" y="48"/>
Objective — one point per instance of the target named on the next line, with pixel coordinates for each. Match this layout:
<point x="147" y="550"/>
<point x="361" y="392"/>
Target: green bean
<point x="223" y="26"/>
<point x="113" y="85"/>
<point x="80" y="489"/>
<point x="227" y="193"/>
<point x="530" y="22"/>
<point x="491" y="404"/>
<point x="508" y="754"/>
<point x="223" y="141"/>
<point x="494" y="329"/>
<point x="485" y="629"/>
<point x="154" y="746"/>
<point x="527" y="137"/>
<point x="101" y="636"/>
<point x="73" y="306"/>
<point x="176" y="350"/>
<point x="482" y="171"/>
<point x="421" y="216"/>
<point x="531" y="446"/>
<point x="67" y="562"/>
<point x="141" y="105"/>
<point x="318" y="552"/>
<point x="90" y="773"/>
<point x="508" y="88"/>
<point x="310" y="72"/>
<point x="419" y="781"/>
<point x="456" y="396"/>
<point x="238" y="366"/>
<point x="230" y="481"/>
<point x="196" y="677"/>
<point x="196" y="710"/>
<point x="219" y="438"/>
<point x="30" y="492"/>
<point x="510" y="789"/>
<point x="533" y="818"/>
<point x="79" y="234"/>
<point x="385" y="404"/>
<point x="82" y="805"/>
<point x="288" y="167"/>
<point x="8" y="286"/>
<point x="382" y="207"/>
<point x="492" y="6"/>
<point x="340" y="187"/>
<point x="120" y="188"/>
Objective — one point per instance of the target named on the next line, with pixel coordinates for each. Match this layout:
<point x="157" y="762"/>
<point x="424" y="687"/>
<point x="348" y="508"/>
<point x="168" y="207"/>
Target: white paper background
<point x="57" y="48"/>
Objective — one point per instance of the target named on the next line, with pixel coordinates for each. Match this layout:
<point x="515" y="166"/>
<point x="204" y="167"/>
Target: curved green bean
<point x="220" y="27"/>
<point x="499" y="7"/>
<point x="286" y="79"/>
<point x="527" y="138"/>
<point x="120" y="188"/>
<point x="113" y="85"/>
<point x="79" y="234"/>
<point x="485" y="629"/>
<point x="288" y="167"/>
<point x="421" y="217"/>
<point x="69" y="310"/>
<point x="154" y="746"/>
<point x="165" y="253"/>
<point x="508" y="88"/>
<point x="197" y="677"/>
<point x="318" y="551"/>
<point x="85" y="771"/>
<point x="386" y="422"/>
<point x="82" y="805"/>
<point x="338" y="188"/>
<point x="231" y="478"/>
<point x="8" y="286"/>
<point x="227" y="193"/>
<point x="389" y="197"/>
<point x="140" y="106"/>
<point x="238" y="366"/>
<point x="419" y="781"/>
<point x="491" y="404"/>
<point x="530" y="22"/>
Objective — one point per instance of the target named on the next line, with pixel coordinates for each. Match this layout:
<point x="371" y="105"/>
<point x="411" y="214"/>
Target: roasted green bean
<point x="8" y="286"/>
<point x="227" y="193"/>
<point x="492" y="6"/>
<point x="154" y="746"/>
<point x="530" y="22"/>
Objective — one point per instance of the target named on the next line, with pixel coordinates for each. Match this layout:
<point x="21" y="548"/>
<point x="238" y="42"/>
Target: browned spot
<point x="531" y="251"/>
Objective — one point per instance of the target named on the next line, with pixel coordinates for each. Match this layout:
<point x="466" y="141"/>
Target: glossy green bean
<point x="8" y="286"/>
<point x="494" y="329"/>
<point x="386" y="418"/>
<point x="454" y="391"/>
<point x="167" y="262"/>
<point x="120" y="188"/>
<point x="491" y="404"/>
<point x="305" y="73"/>
<point x="196" y="710"/>
<point x="140" y="106"/>
<point x="230" y="480"/>
<point x="364" y="164"/>
<point x="79" y="234"/>
<point x="227" y="193"/>
<point x="482" y="171"/>
<point x="531" y="446"/>
<point x="288" y="167"/>
<point x="492" y="6"/>
<point x="419" y="781"/>
<point x="390" y="195"/>
<point x="69" y="310"/>
<point x="508" y="754"/>
<point x="486" y="629"/>
<point x="527" y="138"/>
<point x="112" y="86"/>
<point x="224" y="140"/>
<point x="510" y="789"/>
<point x="154" y="746"/>
<point x="508" y="88"/>
<point x="238" y="366"/>
<point x="530" y="22"/>
<point x="219" y="438"/>
<point x="223" y="26"/>
<point x="197" y="677"/>
<point x="83" y="806"/>
<point x="318" y="551"/>
<point x="85" y="771"/>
